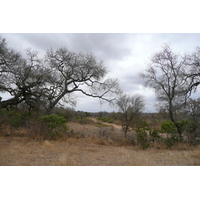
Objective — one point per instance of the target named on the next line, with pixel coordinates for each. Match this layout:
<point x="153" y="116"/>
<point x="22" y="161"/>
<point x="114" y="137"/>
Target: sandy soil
<point x="109" y="131"/>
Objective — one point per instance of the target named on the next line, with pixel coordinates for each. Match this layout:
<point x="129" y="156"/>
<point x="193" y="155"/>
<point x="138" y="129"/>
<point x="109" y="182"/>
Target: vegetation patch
<point x="106" y="119"/>
<point x="54" y="125"/>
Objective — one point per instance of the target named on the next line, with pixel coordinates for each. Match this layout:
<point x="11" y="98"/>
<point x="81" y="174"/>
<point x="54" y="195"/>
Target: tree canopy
<point x="44" y="83"/>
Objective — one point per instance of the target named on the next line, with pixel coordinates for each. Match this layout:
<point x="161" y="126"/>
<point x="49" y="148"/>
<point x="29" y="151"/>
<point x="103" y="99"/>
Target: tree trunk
<point x="171" y="114"/>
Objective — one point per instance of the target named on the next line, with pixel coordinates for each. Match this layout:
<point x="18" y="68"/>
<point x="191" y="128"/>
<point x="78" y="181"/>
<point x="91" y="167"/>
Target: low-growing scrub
<point x="168" y="127"/>
<point x="99" y="124"/>
<point x="106" y="119"/>
<point x="50" y="127"/>
<point x="143" y="139"/>
<point x="13" y="120"/>
<point x="171" y="140"/>
<point x="83" y="120"/>
<point x="54" y="125"/>
<point x="155" y="136"/>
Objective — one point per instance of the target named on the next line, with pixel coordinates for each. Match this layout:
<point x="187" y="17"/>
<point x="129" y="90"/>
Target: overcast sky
<point x="124" y="55"/>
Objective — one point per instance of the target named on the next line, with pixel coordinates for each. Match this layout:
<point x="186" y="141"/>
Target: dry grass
<point x="91" y="151"/>
<point x="196" y="154"/>
<point x="47" y="144"/>
<point x="89" y="148"/>
<point x="66" y="160"/>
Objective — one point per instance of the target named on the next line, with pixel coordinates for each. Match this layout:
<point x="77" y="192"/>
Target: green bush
<point x="186" y="126"/>
<point x="142" y="138"/>
<point x="15" y="119"/>
<point x="154" y="135"/>
<point x="106" y="119"/>
<point x="86" y="120"/>
<point x="171" y="140"/>
<point x="189" y="130"/>
<point x="3" y="114"/>
<point x="168" y="127"/>
<point x="55" y="125"/>
<point x="145" y="125"/>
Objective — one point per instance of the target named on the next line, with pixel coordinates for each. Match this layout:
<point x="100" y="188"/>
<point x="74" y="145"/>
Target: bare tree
<point x="166" y="74"/>
<point x="193" y="75"/>
<point x="21" y="78"/>
<point x="77" y="72"/>
<point x="130" y="107"/>
<point x="45" y="83"/>
<point x="192" y="110"/>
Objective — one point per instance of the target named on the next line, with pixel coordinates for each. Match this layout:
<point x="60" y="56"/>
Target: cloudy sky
<point x="124" y="55"/>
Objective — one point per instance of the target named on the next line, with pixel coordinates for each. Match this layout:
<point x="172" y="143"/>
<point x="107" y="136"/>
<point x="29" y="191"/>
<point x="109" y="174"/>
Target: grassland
<point x="91" y="151"/>
<point x="91" y="145"/>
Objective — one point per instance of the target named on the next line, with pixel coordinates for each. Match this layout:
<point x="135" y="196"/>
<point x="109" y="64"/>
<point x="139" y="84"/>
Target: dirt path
<point x="109" y="124"/>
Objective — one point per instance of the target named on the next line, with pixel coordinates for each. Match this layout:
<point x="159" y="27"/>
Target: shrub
<point x="171" y="140"/>
<point x="55" y="125"/>
<point x="168" y="127"/>
<point x="154" y="135"/>
<point x="106" y="119"/>
<point x="14" y="119"/>
<point x="3" y="115"/>
<point x="86" y="120"/>
<point x="186" y="126"/>
<point x="145" y="125"/>
<point x="188" y="130"/>
<point x="142" y="138"/>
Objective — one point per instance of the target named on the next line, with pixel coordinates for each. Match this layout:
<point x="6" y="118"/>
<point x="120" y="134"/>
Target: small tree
<point x="130" y="107"/>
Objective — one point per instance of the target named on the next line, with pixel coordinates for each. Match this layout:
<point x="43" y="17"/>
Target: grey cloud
<point x="104" y="46"/>
<point x="39" y="42"/>
<point x="131" y="83"/>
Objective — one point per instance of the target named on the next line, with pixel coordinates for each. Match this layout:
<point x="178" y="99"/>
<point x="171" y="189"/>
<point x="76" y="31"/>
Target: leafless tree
<point x="21" y="78"/>
<point x="77" y="72"/>
<point x="193" y="75"/>
<point x="130" y="107"/>
<point x="44" y="83"/>
<point x="166" y="74"/>
<point x="192" y="110"/>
